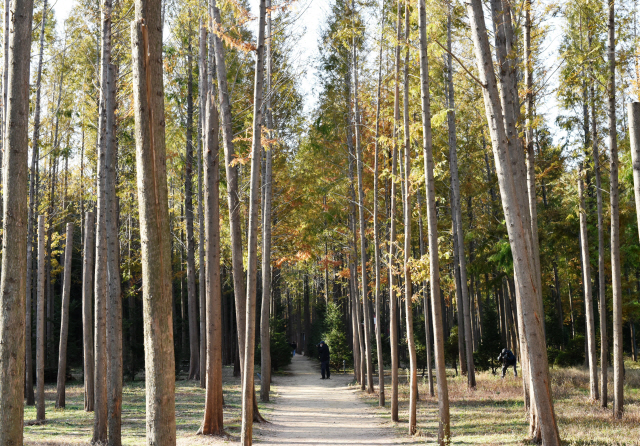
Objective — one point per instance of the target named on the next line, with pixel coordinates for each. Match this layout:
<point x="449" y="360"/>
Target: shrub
<point x="280" y="349"/>
<point x="336" y="337"/>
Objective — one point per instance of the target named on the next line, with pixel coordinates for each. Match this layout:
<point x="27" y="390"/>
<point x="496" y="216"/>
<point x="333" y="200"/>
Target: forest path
<point x="311" y="411"/>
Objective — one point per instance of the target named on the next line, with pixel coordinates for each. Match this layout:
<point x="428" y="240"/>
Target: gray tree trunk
<point x="194" y="348"/>
<point x="444" y="429"/>
<point x="213" y="414"/>
<point x="148" y="94"/>
<point x="616" y="285"/>
<point x="588" y="302"/>
<point x="265" y="317"/>
<point x="64" y="319"/>
<point x="14" y="226"/>
<point x="204" y="92"/>
<point x="425" y="306"/>
<point x="87" y="309"/>
<point x="512" y="187"/>
<point x="40" y="415"/>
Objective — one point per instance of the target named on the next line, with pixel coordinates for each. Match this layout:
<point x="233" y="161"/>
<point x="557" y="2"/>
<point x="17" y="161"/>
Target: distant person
<point x="325" y="357"/>
<point x="508" y="359"/>
<point x="294" y="346"/>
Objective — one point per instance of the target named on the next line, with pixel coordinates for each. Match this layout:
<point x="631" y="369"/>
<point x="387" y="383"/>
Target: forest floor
<point x="306" y="410"/>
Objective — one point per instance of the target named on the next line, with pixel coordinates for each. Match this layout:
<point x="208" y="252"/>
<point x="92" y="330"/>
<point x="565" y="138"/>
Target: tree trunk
<point x="87" y="308"/>
<point x="408" y="283"/>
<point x="393" y="316"/>
<point x="114" y="301"/>
<point x="64" y="319"/>
<point x="31" y="218"/>
<point x="518" y="225"/>
<point x="213" y="419"/>
<point x="588" y="303"/>
<point x="194" y="348"/>
<point x="203" y="84"/>
<point x="40" y="415"/>
<point x="425" y="297"/>
<point x="616" y="286"/>
<point x="444" y="429"/>
<point x="265" y="317"/>
<point x="14" y="226"/>
<point x="148" y="93"/>
<point x="248" y="388"/>
<point x="376" y="236"/>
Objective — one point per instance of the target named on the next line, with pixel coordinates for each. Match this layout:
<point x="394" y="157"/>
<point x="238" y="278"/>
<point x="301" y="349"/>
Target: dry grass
<point x="493" y="414"/>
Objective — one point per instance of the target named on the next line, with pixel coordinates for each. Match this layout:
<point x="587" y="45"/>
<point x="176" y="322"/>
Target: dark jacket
<point x="323" y="350"/>
<point x="507" y="357"/>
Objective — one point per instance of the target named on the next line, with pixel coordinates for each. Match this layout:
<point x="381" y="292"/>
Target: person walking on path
<point x="508" y="359"/>
<point x="325" y="356"/>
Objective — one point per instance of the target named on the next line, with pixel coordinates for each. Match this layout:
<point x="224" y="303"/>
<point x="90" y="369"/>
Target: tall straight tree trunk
<point x="32" y="210"/>
<point x="87" y="309"/>
<point x="40" y="415"/>
<point x="363" y="238"/>
<point x="213" y="415"/>
<point x="114" y="301"/>
<point x="408" y="283"/>
<point x="148" y="95"/>
<point x="203" y="84"/>
<point x="376" y="232"/>
<point x="444" y="427"/>
<point x="512" y="188"/>
<point x="588" y="303"/>
<point x="248" y="388"/>
<point x="265" y="317"/>
<point x="464" y="322"/>
<point x="616" y="286"/>
<point x="393" y="316"/>
<point x="425" y="297"/>
<point x="100" y="426"/>
<point x="64" y="319"/>
<point x="194" y="348"/>
<point x="14" y="226"/>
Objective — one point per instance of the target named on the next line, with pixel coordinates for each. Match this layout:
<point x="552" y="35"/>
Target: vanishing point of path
<point x="311" y="411"/>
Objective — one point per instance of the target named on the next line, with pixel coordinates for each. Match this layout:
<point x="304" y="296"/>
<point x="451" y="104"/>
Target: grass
<point x="493" y="414"/>
<point x="74" y="426"/>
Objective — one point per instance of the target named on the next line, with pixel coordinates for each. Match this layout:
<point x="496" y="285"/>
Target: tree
<point x="14" y="226"/>
<point x="40" y="414"/>
<point x="87" y="320"/>
<point x="64" y="323"/>
<point x="148" y="95"/>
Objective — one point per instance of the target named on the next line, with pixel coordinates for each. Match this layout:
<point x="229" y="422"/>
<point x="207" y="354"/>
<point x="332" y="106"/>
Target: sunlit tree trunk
<point x="444" y="429"/>
<point x="512" y="184"/>
<point x="148" y="95"/>
<point x="616" y="285"/>
<point x="64" y="319"/>
<point x="40" y="414"/>
<point x="425" y="306"/>
<point x="203" y="84"/>
<point x="588" y="302"/>
<point x="14" y="227"/>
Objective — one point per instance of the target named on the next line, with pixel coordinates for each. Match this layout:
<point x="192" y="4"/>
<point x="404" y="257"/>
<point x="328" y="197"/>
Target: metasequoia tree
<point x="203" y="84"/>
<point x="248" y="388"/>
<point x="512" y="188"/>
<point x="265" y="316"/>
<point x="444" y="426"/>
<point x="32" y="199"/>
<point x="148" y="95"/>
<point x="588" y="302"/>
<point x="14" y="225"/>
<point x="87" y="308"/>
<point x="40" y="414"/>
<point x="213" y="415"/>
<point x="64" y="319"/>
<point x="616" y="285"/>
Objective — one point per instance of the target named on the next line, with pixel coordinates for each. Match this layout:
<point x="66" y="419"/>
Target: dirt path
<point x="311" y="411"/>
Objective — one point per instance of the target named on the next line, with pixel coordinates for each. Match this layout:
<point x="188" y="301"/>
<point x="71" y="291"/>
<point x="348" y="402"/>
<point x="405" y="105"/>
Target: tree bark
<point x="14" y="226"/>
<point x="148" y="94"/>
<point x="248" y="388"/>
<point x="194" y="348"/>
<point x="265" y="317"/>
<point x="444" y="427"/>
<point x="87" y="308"/>
<point x="213" y="414"/>
<point x="616" y="286"/>
<point x="64" y="319"/>
<point x="588" y="302"/>
<point x="425" y="306"/>
<point x="509" y="167"/>
<point x="204" y="93"/>
<point x="40" y="415"/>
